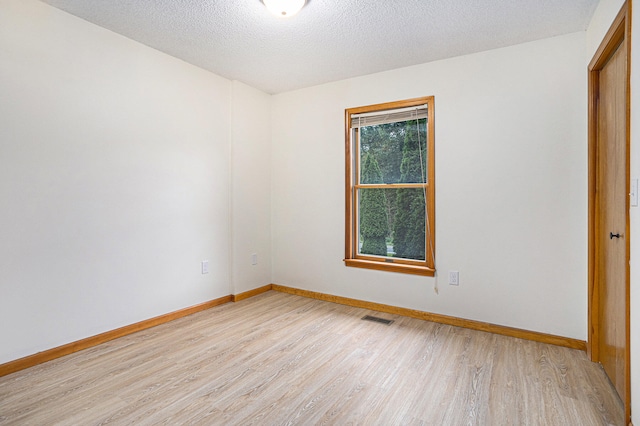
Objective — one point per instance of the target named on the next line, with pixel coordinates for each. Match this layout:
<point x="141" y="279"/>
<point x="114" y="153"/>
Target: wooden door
<point x="609" y="208"/>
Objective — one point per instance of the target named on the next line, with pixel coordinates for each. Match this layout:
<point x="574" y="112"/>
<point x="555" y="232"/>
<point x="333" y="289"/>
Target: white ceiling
<point x="328" y="40"/>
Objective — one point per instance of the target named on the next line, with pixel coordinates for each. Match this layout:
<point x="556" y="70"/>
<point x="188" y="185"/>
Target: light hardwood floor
<point x="282" y="359"/>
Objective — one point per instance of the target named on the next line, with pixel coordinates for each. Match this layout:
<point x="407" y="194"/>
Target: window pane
<point x="394" y="153"/>
<point x="388" y="149"/>
<point x="373" y="226"/>
<point x="391" y="222"/>
<point x="409" y="224"/>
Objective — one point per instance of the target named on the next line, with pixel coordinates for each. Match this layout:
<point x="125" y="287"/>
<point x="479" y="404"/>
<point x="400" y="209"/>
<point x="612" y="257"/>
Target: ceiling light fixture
<point x="284" y="8"/>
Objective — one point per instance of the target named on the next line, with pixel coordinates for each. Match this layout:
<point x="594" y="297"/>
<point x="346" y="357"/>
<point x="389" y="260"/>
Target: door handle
<point x="612" y="235"/>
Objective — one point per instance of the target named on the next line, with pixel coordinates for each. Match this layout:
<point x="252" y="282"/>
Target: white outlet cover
<point x="205" y="266"/>
<point x="454" y="278"/>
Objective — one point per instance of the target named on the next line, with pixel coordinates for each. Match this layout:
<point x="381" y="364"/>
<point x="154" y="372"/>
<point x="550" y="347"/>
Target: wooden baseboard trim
<point x="442" y="319"/>
<point x="60" y="351"/>
<point x="250" y="293"/>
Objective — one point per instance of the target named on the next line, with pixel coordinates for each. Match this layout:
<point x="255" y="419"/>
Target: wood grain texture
<point x="442" y="319"/>
<point x="611" y="212"/>
<point x="593" y="301"/>
<point x="607" y="340"/>
<point x="48" y="355"/>
<point x="395" y="266"/>
<point x="278" y="358"/>
<point x="60" y="351"/>
<point x="250" y="293"/>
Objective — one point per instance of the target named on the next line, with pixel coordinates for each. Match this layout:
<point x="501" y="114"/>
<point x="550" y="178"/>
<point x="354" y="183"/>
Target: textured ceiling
<point x="329" y="39"/>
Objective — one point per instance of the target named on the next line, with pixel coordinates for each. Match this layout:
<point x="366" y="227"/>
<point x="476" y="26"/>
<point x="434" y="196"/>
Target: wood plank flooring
<point x="280" y="359"/>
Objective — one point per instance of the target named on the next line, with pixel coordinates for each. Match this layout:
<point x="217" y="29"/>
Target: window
<point x="390" y="187"/>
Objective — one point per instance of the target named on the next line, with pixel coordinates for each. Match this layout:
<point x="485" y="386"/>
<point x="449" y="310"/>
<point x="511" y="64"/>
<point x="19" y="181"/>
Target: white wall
<point x="511" y="179"/>
<point x="114" y="180"/>
<point x="121" y="168"/>
<point x="602" y="19"/>
<point x="251" y="188"/>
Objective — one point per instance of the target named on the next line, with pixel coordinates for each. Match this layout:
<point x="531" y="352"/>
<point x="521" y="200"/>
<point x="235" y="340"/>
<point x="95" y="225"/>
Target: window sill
<point x="391" y="267"/>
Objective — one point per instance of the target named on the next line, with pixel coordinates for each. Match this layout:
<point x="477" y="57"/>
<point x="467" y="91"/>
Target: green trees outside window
<point x="409" y="227"/>
<point x="374" y="225"/>
<point x="390" y="189"/>
<point x="392" y="221"/>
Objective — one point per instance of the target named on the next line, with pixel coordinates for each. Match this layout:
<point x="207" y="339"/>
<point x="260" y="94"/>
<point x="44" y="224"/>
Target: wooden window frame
<point x="352" y="258"/>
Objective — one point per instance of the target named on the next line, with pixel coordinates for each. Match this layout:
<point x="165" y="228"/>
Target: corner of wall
<point x="250" y="202"/>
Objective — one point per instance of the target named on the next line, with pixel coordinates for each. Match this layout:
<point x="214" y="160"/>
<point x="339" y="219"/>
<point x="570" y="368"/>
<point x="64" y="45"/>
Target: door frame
<point x="620" y="30"/>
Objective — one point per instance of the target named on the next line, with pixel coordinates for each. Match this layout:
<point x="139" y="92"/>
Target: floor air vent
<point x="377" y="319"/>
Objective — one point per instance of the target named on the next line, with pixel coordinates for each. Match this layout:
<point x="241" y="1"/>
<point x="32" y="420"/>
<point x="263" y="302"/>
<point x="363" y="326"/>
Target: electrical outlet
<point x="254" y="259"/>
<point x="205" y="266"/>
<point x="454" y="278"/>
